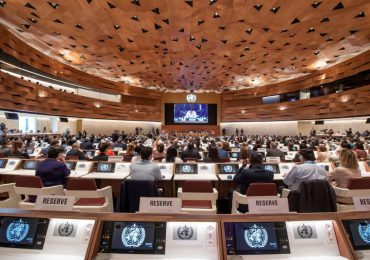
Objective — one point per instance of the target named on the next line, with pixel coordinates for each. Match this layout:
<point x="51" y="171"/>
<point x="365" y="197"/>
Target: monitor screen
<point x="254" y="238"/>
<point x="187" y="168"/>
<point x="234" y="155"/>
<point x="18" y="231"/>
<point x="228" y="168"/>
<point x="71" y="165"/>
<point x="89" y="153"/>
<point x="29" y="165"/>
<point x="105" y="167"/>
<point x="30" y="150"/>
<point x="3" y="163"/>
<point x="272" y="167"/>
<point x="359" y="233"/>
<point x="133" y="236"/>
<point x="191" y="113"/>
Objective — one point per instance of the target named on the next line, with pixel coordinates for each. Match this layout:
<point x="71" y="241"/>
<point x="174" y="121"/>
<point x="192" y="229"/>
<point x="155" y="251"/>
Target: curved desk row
<point x="75" y="235"/>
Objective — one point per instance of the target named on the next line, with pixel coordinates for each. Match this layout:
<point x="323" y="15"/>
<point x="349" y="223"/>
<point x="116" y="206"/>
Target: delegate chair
<point x="13" y="199"/>
<point x="254" y="190"/>
<point x="31" y="186"/>
<point x="88" y="197"/>
<point x="358" y="187"/>
<point x="198" y="197"/>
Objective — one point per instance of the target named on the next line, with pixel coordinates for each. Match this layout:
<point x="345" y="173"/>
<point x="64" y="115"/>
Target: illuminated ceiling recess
<point x="175" y="45"/>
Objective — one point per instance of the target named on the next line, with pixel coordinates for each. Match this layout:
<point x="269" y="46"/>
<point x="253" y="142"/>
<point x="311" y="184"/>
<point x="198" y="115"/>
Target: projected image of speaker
<point x="63" y="119"/>
<point x="11" y="116"/>
<point x="319" y="122"/>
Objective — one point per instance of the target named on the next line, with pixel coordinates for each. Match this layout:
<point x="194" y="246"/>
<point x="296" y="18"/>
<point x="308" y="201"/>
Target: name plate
<point x="54" y="203"/>
<point x="269" y="205"/>
<point x="362" y="203"/>
<point x="159" y="205"/>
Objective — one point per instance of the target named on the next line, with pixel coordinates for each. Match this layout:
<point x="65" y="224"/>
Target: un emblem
<point x="17" y="231"/>
<point x="65" y="229"/>
<point x="256" y="236"/>
<point x="104" y="167"/>
<point x="185" y="232"/>
<point x="133" y="236"/>
<point x="186" y="168"/>
<point x="228" y="168"/>
<point x="364" y="231"/>
<point x="304" y="231"/>
<point x="191" y="97"/>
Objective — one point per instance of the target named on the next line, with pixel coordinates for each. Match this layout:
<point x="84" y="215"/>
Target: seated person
<point x="171" y="156"/>
<point x="87" y="144"/>
<point x="110" y="151"/>
<point x="17" y="151"/>
<point x="275" y="152"/>
<point x="191" y="114"/>
<point x="308" y="171"/>
<point x="53" y="143"/>
<point x="322" y="153"/>
<point x="348" y="169"/>
<point x="360" y="151"/>
<point x="190" y="153"/>
<point x="75" y="151"/>
<point x="53" y="170"/>
<point x="255" y="173"/>
<point x="6" y="147"/>
<point x="102" y="156"/>
<point x="212" y="156"/>
<point x="145" y="169"/>
<point x="221" y="152"/>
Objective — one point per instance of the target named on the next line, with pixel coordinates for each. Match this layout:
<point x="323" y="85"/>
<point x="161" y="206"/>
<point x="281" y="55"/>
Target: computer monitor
<point x="89" y="153"/>
<point x="256" y="238"/>
<point x="29" y="165"/>
<point x="234" y="155"/>
<point x="71" y="165"/>
<point x="105" y="167"/>
<point x="18" y="232"/>
<point x="30" y="150"/>
<point x="133" y="237"/>
<point x="3" y="163"/>
<point x="229" y="168"/>
<point x="272" y="167"/>
<point x="187" y="168"/>
<point x="359" y="233"/>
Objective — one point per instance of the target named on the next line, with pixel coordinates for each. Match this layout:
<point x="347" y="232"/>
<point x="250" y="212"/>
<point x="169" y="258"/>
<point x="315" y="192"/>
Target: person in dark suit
<point x="190" y="153"/>
<point x="255" y="173"/>
<point x="275" y="152"/>
<point x="102" y="156"/>
<point x="75" y="151"/>
<point x="53" y="170"/>
<point x="87" y="145"/>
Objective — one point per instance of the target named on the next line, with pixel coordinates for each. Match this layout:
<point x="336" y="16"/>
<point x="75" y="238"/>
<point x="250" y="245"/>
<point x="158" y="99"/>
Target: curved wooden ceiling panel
<point x="178" y="45"/>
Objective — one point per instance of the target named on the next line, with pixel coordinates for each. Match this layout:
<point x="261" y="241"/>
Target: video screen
<point x="190" y="113"/>
<point x="234" y="155"/>
<point x="105" y="167"/>
<point x="71" y="165"/>
<point x="133" y="236"/>
<point x="228" y="168"/>
<point x="18" y="231"/>
<point x="29" y="165"/>
<point x="260" y="238"/>
<point x="30" y="150"/>
<point x="3" y="163"/>
<point x="359" y="232"/>
<point x="187" y="168"/>
<point x="89" y="154"/>
<point x="272" y="167"/>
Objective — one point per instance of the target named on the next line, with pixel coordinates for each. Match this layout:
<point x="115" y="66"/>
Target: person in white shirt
<point x="191" y="114"/>
<point x="145" y="169"/>
<point x="308" y="171"/>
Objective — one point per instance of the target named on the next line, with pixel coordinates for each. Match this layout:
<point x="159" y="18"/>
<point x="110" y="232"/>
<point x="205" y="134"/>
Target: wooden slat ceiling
<point x="202" y="45"/>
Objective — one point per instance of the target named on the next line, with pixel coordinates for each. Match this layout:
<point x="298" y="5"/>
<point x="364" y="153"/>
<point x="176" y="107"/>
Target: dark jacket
<point x="255" y="173"/>
<point x="52" y="172"/>
<point x="100" y="157"/>
<point x="130" y="193"/>
<point x="275" y="153"/>
<point x="190" y="154"/>
<point x="87" y="146"/>
<point x="314" y="196"/>
<point x="75" y="152"/>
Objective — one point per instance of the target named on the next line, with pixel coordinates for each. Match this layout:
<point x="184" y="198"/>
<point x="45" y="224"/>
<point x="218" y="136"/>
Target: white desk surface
<point x="106" y="175"/>
<point x="205" y="177"/>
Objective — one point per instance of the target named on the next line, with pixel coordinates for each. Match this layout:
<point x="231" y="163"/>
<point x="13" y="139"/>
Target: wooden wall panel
<point x="21" y="95"/>
<point x="355" y="102"/>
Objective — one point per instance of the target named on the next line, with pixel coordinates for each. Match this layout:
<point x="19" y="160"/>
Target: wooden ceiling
<point x="202" y="45"/>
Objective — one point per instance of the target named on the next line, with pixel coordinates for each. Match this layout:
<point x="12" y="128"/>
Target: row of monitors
<point x="184" y="168"/>
<point x="135" y="237"/>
